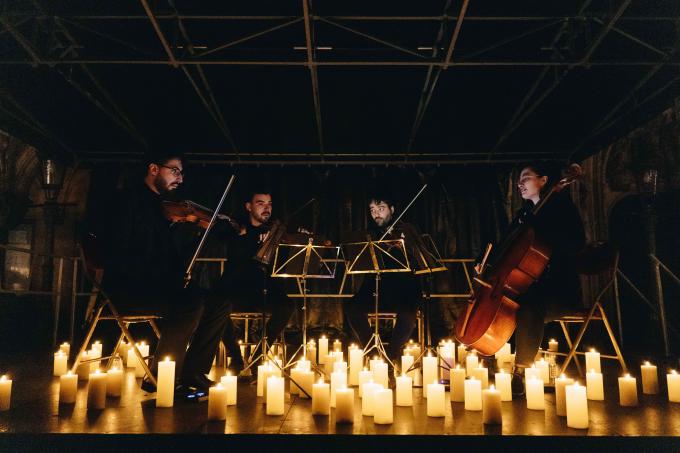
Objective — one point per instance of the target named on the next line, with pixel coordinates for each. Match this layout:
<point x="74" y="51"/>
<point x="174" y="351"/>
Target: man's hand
<point x="263" y="237"/>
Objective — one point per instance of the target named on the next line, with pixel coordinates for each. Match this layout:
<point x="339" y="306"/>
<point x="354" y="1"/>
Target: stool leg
<point x="615" y="344"/>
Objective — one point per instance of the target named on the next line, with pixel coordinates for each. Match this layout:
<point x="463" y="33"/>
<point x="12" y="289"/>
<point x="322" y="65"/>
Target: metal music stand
<point x="302" y="262"/>
<point x="377" y="258"/>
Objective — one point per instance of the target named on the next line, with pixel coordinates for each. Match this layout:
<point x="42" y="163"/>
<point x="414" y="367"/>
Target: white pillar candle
<point x="275" y="396"/>
<point x="83" y="370"/>
<point x="406" y="364"/>
<point x="340" y="366"/>
<point x="95" y="354"/>
<point x="628" y="391"/>
<point x="311" y="351"/>
<point x="123" y="351"/>
<point x="418" y="377"/>
<point x="491" y="407"/>
<point x="532" y="372"/>
<point x="294" y="380"/>
<point x="448" y="359"/>
<point x="229" y="382"/>
<point x="338" y="356"/>
<point x="364" y="377"/>
<point x="356" y="358"/>
<point x="436" y="402"/>
<point x="337" y="345"/>
<point x="482" y="374"/>
<point x="673" y="381"/>
<point x="263" y="372"/>
<point x="503" y="384"/>
<point x="217" y="402"/>
<point x="368" y="400"/>
<point x="473" y="394"/>
<point x="272" y="370"/>
<point x="65" y="348"/>
<point x="384" y="407"/>
<point x="471" y="362"/>
<point x="144" y="350"/>
<point x="544" y="370"/>
<point x="650" y="379"/>
<point x="458" y="384"/>
<point x="593" y="361"/>
<point x="114" y="382"/>
<point x="97" y="346"/>
<point x="502" y="355"/>
<point x="372" y="362"/>
<point x="5" y="393"/>
<point x="561" y="395"/>
<point x="594" y="386"/>
<point x="429" y="371"/>
<point x="553" y="345"/>
<point x="96" y="390"/>
<point x="338" y="380"/>
<point x="60" y="366"/>
<point x="462" y="354"/>
<point x="577" y="406"/>
<point x="323" y="349"/>
<point x="404" y="390"/>
<point x="304" y="365"/>
<point x="344" y="405"/>
<point x="68" y="387"/>
<point x="380" y="374"/>
<point x="321" y="398"/>
<point x="535" y="396"/>
<point x="306" y="382"/>
<point x="165" y="386"/>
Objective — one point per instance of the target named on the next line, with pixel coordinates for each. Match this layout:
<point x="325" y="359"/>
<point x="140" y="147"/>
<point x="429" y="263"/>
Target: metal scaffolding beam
<point x="313" y="74"/>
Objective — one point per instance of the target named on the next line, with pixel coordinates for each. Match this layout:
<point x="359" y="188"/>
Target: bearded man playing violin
<point x="245" y="282"/>
<point x="143" y="274"/>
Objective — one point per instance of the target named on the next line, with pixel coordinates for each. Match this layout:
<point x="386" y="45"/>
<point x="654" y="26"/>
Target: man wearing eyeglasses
<point x="143" y="274"/>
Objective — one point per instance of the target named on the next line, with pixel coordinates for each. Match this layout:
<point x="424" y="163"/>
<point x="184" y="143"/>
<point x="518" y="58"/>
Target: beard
<point x="163" y="186"/>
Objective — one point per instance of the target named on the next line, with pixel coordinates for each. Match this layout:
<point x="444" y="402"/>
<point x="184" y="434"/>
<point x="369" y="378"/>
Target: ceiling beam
<point x="157" y="28"/>
<point x="313" y="73"/>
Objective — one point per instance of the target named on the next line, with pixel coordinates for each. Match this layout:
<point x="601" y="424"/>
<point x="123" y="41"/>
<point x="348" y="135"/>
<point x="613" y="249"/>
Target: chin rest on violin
<point x="191" y="212"/>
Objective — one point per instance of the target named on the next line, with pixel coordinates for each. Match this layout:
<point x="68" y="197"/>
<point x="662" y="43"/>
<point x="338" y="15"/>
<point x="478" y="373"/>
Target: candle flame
<point x="502" y="371"/>
<point x="627" y="376"/>
<point x="228" y="373"/>
<point x="592" y="350"/>
<point x="96" y="371"/>
<point x="167" y="358"/>
<point x="576" y="384"/>
<point x="492" y="387"/>
<point x="219" y="385"/>
<point x="69" y="373"/>
<point x="562" y="376"/>
<point x="115" y="368"/>
<point x="552" y="340"/>
<point x="674" y="372"/>
<point x="592" y="370"/>
<point x="3" y="377"/>
<point x="646" y="362"/>
<point x="320" y="381"/>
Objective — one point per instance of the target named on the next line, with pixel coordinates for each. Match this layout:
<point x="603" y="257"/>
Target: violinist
<point x="558" y="291"/>
<point x="400" y="293"/>
<point x="143" y="274"/>
<point x="244" y="280"/>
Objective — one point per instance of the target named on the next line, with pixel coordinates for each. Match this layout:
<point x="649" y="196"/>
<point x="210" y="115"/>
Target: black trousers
<point x="400" y="294"/>
<point x="543" y="303"/>
<point x="190" y="317"/>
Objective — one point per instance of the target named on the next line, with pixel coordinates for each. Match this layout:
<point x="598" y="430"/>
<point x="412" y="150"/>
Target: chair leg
<point x="582" y="332"/>
<point x="87" y="339"/>
<point x="570" y="356"/>
<point x="612" y="338"/>
<point x="155" y="328"/>
<point x="109" y="362"/>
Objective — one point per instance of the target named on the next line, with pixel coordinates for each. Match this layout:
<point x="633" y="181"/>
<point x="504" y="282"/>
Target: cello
<point x="489" y="319"/>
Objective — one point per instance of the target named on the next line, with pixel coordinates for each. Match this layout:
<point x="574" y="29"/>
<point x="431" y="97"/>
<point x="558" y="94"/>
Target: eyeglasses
<point x="174" y="170"/>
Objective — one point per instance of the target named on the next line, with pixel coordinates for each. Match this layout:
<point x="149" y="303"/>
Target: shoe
<point x="198" y="381"/>
<point x="517" y="385"/>
<point x="148" y="386"/>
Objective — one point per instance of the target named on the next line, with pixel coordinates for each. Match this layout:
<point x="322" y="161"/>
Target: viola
<point x="191" y="212"/>
<point x="279" y="234"/>
<point x="489" y="319"/>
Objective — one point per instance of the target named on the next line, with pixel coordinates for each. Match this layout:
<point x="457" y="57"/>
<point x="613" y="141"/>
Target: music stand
<point x="377" y="258"/>
<point x="302" y="262"/>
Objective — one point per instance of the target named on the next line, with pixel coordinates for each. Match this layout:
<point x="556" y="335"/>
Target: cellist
<point x="557" y="292"/>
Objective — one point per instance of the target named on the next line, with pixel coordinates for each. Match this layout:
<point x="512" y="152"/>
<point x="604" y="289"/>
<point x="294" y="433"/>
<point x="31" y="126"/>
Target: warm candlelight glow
<point x="492" y="387"/>
<point x="167" y="358"/>
<point x="674" y="372"/>
<point x="3" y="378"/>
<point x="96" y="371"/>
<point x="647" y="363"/>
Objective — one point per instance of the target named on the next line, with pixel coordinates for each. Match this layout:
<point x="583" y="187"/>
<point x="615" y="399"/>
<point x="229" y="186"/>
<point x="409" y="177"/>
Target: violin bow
<point x="389" y="229"/>
<point x="187" y="274"/>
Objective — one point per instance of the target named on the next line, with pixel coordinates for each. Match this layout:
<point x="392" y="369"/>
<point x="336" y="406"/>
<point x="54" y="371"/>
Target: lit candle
<point x="114" y="382"/>
<point x="340" y="366"/>
<point x="96" y="390"/>
<point x="368" y="400"/>
<point x="462" y="354"/>
<point x="502" y="356"/>
<point x="561" y="394"/>
<point x="544" y="370"/>
<point x="323" y="349"/>
<point x="458" y="384"/>
<point x="593" y="360"/>
<point x="415" y="350"/>
<point x="321" y="398"/>
<point x="144" y="351"/>
<point x="471" y="362"/>
<point x="436" y="402"/>
<point x="263" y="372"/>
<point x="337" y="345"/>
<point x="364" y="377"/>
<point x="482" y="374"/>
<point x="384" y="409"/>
<point x="5" y="392"/>
<point x="406" y="364"/>
<point x="448" y="357"/>
<point x="95" y="354"/>
<point x="217" y="402"/>
<point x="65" y="348"/>
<point x="60" y="363"/>
<point x="304" y="365"/>
<point x="532" y="372"/>
<point x="356" y="358"/>
<point x="380" y="374"/>
<point x="68" y="387"/>
<point x="229" y="382"/>
<point x="577" y="406"/>
<point x="344" y="405"/>
<point x="552" y="345"/>
<point x="628" y="391"/>
<point x="294" y="379"/>
<point x="83" y="369"/>
<point x="338" y="380"/>
<point x="429" y="371"/>
<point x="491" y="407"/>
<point x="165" y="386"/>
<point x="404" y="390"/>
<point x="503" y="384"/>
<point x="594" y="386"/>
<point x="306" y="382"/>
<point x="535" y="397"/>
<point x="473" y="394"/>
<point x="650" y="379"/>
<point x="311" y="351"/>
<point x="123" y="351"/>
<point x="673" y="380"/>
<point x="275" y="395"/>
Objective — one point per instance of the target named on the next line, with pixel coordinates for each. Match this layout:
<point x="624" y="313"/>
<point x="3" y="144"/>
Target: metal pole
<point x="656" y="287"/>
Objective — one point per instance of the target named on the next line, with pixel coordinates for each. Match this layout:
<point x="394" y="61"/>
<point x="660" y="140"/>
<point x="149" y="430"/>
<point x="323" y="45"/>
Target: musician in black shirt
<point x="143" y="274"/>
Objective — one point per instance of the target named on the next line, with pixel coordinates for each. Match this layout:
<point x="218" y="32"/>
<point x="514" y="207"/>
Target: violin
<point x="191" y="212"/>
<point x="279" y="234"/>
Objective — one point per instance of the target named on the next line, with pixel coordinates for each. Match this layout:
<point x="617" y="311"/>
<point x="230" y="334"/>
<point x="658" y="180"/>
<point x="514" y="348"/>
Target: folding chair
<point x="101" y="308"/>
<point x="596" y="259"/>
